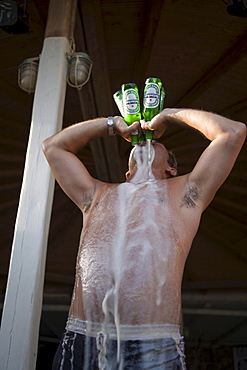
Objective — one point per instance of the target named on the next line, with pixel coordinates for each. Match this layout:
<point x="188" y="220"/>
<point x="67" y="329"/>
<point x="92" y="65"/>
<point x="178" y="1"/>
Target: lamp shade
<point x="27" y="74"/>
<point x="79" y="70"/>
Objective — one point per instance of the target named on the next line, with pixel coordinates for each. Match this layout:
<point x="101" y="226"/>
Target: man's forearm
<point x="211" y="125"/>
<point x="73" y="138"/>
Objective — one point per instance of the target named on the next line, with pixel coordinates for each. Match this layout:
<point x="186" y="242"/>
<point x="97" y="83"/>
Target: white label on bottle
<point x="131" y="101"/>
<point x="151" y="96"/>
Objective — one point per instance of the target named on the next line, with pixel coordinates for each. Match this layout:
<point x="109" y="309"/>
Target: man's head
<point x="164" y="164"/>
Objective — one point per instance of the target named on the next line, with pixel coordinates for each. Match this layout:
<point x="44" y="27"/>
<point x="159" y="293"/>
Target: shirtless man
<point x="126" y="306"/>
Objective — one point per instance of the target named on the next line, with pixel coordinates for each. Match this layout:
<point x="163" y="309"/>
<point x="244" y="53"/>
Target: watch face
<point x="8" y="13"/>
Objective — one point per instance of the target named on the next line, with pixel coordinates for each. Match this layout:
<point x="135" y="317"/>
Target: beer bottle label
<point x="151" y="96"/>
<point x="132" y="104"/>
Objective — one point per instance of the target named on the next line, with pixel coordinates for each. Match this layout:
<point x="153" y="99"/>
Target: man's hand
<point x="157" y="124"/>
<point x="121" y="127"/>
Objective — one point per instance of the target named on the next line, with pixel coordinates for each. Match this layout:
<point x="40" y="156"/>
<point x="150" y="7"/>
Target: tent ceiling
<point x="199" y="51"/>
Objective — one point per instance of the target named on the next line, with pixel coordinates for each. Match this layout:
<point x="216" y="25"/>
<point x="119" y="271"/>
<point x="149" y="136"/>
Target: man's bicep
<point x="72" y="176"/>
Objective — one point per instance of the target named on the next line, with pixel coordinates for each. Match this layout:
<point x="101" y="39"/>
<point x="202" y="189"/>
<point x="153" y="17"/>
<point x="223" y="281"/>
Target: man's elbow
<point x="47" y="146"/>
<point x="237" y="133"/>
<point x="241" y="131"/>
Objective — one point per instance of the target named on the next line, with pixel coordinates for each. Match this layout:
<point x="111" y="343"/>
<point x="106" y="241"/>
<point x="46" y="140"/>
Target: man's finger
<point x="134" y="126"/>
<point x="146" y="125"/>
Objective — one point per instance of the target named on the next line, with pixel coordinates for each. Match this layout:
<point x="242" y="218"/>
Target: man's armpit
<point x="190" y="197"/>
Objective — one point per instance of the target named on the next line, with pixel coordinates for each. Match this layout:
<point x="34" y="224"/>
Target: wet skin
<point x="133" y="259"/>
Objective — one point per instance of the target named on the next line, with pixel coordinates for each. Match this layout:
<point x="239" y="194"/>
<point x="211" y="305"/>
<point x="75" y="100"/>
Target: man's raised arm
<point x="214" y="165"/>
<point x="61" y="149"/>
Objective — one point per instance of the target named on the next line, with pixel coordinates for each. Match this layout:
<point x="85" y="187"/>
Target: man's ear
<point x="171" y="171"/>
<point x="127" y="175"/>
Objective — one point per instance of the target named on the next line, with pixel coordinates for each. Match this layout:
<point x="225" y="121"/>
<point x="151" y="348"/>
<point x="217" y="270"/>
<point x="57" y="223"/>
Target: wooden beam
<point x="226" y="62"/>
<point x="88" y="109"/>
<point x="101" y="94"/>
<point x="230" y="296"/>
<point x="61" y="19"/>
<point x="236" y="189"/>
<point x="22" y="309"/>
<point x="6" y="206"/>
<point x="229" y="333"/>
<point x="223" y="244"/>
<point x="214" y="312"/>
<point x="234" y="109"/>
<point x="95" y="43"/>
<point x="223" y="203"/>
<point x="64" y="224"/>
<point x="212" y="285"/>
<point x="150" y="25"/>
<point x="61" y="279"/>
<point x="38" y="27"/>
<point x="12" y="143"/>
<point x="56" y="307"/>
<point x="23" y="300"/>
<point x="10" y="158"/>
<point x="238" y="224"/>
<point x="11" y="173"/>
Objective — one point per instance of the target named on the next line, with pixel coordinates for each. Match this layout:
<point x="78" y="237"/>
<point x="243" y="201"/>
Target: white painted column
<point x="23" y="300"/>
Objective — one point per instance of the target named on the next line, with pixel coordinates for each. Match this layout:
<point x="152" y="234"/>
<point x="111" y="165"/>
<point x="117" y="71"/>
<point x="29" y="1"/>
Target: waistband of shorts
<point x="127" y="332"/>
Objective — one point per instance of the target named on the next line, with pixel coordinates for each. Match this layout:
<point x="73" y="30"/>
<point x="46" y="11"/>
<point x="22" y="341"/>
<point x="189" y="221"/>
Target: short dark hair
<point x="172" y="160"/>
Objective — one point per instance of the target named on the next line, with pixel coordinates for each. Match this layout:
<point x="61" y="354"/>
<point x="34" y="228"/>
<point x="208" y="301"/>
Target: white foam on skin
<point x="129" y="264"/>
<point x="136" y="240"/>
<point x="125" y="266"/>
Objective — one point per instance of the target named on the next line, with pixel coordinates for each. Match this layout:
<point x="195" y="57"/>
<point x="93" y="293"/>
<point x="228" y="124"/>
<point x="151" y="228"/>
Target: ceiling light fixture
<point x="27" y="74"/>
<point x="79" y="69"/>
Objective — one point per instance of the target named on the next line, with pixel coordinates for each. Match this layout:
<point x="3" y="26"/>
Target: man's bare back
<point x="133" y="248"/>
<point x="135" y="241"/>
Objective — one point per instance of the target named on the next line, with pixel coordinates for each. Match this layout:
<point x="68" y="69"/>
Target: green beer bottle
<point x="131" y="107"/>
<point x="162" y="98"/>
<point x="151" y="101"/>
<point x="118" y="98"/>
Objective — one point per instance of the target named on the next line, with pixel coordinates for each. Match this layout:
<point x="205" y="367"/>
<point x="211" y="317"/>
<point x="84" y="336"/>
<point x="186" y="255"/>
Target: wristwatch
<point x="110" y="129"/>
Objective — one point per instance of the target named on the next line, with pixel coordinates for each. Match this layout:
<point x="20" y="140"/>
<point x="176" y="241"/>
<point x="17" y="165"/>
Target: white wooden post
<point x="23" y="301"/>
